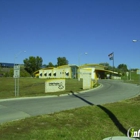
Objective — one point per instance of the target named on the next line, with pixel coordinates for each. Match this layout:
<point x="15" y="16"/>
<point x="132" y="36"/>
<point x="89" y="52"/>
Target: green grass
<point x="85" y="123"/>
<point x="34" y="87"/>
<point x="134" y="78"/>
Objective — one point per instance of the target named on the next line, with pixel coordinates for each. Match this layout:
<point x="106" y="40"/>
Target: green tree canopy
<point x="50" y="64"/>
<point x="32" y="64"/>
<point x="44" y="66"/>
<point x="122" y="68"/>
<point x="106" y="65"/>
<point x="62" y="61"/>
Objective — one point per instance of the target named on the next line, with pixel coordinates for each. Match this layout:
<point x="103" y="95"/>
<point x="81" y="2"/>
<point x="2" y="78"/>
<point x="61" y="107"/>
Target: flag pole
<point x="111" y="57"/>
<point x="113" y="63"/>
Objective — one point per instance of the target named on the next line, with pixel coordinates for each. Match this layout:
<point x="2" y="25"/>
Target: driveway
<point x="110" y="91"/>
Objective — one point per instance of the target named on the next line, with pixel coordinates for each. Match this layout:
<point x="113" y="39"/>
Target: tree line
<point x="121" y="68"/>
<point x="33" y="64"/>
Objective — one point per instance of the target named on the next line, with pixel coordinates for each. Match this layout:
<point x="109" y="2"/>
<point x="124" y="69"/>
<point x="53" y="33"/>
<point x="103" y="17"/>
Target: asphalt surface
<point x="109" y="91"/>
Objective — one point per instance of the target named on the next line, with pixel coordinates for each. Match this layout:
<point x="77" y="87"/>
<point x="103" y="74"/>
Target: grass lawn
<point x="93" y="122"/>
<point x="133" y="78"/>
<point x="33" y="87"/>
<point x="85" y="123"/>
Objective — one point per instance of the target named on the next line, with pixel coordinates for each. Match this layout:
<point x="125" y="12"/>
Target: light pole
<point x="136" y="40"/>
<point x="17" y="56"/>
<point x="79" y="58"/>
<point x="17" y="73"/>
<point x="130" y="72"/>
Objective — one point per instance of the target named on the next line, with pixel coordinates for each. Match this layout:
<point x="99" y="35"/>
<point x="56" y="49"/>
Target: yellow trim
<point x="56" y="79"/>
<point x="63" y="66"/>
<point x="91" y="65"/>
<point x="36" y="75"/>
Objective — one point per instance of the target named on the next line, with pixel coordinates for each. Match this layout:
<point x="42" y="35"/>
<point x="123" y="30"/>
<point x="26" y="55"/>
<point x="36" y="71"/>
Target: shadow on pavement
<point x="108" y="112"/>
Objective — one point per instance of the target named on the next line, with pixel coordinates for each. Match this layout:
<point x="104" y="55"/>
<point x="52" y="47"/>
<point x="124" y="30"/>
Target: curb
<point x="82" y="92"/>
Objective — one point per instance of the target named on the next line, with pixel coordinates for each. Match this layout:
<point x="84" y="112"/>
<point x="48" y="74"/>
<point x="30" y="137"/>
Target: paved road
<point x="110" y="91"/>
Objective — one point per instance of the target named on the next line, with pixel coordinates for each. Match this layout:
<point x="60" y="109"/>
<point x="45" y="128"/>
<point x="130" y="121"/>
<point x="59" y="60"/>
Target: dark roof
<point x="6" y="64"/>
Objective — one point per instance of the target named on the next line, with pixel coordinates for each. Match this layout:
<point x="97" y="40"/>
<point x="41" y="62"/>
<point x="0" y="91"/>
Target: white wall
<point x="92" y="71"/>
<point x="54" y="85"/>
<point x="60" y="73"/>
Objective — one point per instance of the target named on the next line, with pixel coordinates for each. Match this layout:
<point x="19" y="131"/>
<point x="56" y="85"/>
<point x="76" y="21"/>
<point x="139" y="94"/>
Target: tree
<point x="106" y="65"/>
<point x="44" y="66"/>
<point x="62" y="61"/>
<point x="32" y="64"/>
<point x="122" y="68"/>
<point x="50" y="64"/>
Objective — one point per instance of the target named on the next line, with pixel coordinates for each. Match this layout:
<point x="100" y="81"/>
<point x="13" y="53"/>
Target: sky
<point x="70" y="28"/>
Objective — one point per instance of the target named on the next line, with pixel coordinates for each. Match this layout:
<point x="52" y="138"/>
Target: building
<point x="6" y="65"/>
<point x="9" y="65"/>
<point x="65" y="71"/>
<point x="100" y="72"/>
<point x="73" y="71"/>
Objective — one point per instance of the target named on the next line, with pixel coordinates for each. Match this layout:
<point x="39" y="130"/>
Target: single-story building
<point x="73" y="71"/>
<point x="100" y="72"/>
<point x="65" y="71"/>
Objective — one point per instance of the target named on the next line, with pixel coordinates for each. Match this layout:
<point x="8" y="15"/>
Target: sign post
<point x="138" y="72"/>
<point x="17" y="76"/>
<point x="127" y="74"/>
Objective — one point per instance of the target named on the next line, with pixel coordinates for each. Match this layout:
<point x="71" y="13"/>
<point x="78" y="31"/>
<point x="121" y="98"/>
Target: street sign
<point x="17" y="71"/>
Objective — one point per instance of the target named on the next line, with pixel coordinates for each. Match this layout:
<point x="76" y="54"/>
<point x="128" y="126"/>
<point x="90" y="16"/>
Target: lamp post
<point x="17" y="56"/>
<point x="17" y="74"/>
<point x="129" y="70"/>
<point x="136" y="40"/>
<point x="79" y="58"/>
